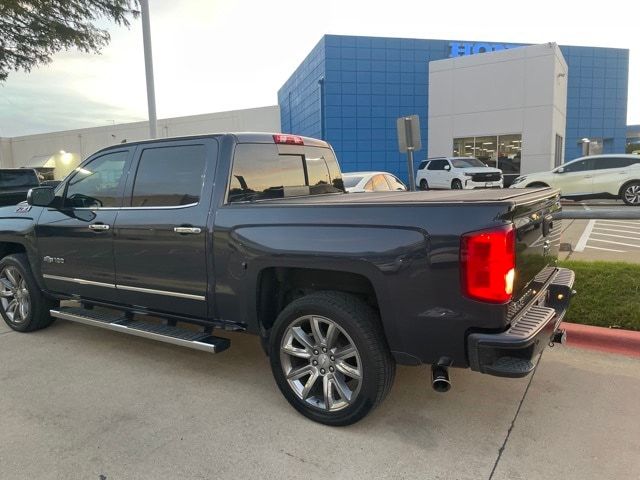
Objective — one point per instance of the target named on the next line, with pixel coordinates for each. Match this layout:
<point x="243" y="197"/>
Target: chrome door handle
<point x="99" y="227"/>
<point x="191" y="230"/>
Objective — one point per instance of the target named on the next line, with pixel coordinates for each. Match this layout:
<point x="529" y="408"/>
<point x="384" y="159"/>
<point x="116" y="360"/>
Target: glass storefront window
<point x="501" y="151"/>
<point x="509" y="153"/>
<point x="463" y="147"/>
<point x="487" y="150"/>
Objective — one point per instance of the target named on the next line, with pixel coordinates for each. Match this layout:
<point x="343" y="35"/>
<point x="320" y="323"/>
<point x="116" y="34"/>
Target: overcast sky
<point x="216" y="55"/>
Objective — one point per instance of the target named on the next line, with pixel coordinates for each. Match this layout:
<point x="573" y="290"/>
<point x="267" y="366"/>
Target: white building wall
<point x="79" y="144"/>
<point x="521" y="90"/>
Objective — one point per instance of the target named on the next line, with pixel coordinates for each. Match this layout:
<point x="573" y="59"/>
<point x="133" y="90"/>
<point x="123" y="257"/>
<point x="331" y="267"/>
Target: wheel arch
<point x="626" y="184"/>
<point x="538" y="184"/>
<point x="276" y="287"/>
<point x="9" y="248"/>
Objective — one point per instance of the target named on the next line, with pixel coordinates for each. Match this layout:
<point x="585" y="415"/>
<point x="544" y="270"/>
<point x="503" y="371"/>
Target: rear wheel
<point x="456" y="184"/>
<point x="631" y="194"/>
<point x="330" y="359"/>
<point x="22" y="305"/>
<point x="537" y="185"/>
<point x="424" y="185"/>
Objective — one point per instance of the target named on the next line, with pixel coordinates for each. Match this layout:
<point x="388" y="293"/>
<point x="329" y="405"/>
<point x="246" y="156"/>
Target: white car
<point x="457" y="173"/>
<point x="598" y="176"/>
<point x="356" y="182"/>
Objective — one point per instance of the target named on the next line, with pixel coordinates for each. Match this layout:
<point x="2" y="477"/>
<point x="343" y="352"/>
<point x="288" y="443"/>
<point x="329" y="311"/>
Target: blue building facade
<point x="350" y="91"/>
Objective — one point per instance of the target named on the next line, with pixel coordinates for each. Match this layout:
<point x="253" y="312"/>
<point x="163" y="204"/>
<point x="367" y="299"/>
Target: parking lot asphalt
<point x="83" y="403"/>
<point x="601" y="238"/>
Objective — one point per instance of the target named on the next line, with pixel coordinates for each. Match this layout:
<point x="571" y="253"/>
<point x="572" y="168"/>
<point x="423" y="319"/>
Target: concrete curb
<point x="610" y="340"/>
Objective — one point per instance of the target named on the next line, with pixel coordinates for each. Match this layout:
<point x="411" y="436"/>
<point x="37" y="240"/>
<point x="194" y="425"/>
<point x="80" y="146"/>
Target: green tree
<point x="31" y="31"/>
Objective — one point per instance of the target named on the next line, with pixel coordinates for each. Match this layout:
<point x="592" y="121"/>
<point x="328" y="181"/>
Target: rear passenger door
<point x="160" y="245"/>
<point x="610" y="173"/>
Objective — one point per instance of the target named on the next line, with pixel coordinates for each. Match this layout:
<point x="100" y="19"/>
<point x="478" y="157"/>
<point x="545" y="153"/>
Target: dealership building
<point x="522" y="108"/>
<point x="351" y="90"/>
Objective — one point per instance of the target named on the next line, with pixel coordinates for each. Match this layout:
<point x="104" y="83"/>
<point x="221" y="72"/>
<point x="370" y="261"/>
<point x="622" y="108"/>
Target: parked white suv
<point x="598" y="176"/>
<point x="457" y="173"/>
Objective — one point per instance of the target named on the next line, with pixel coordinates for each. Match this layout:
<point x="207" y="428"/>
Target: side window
<point x="394" y="183"/>
<point x="169" y="176"/>
<point x="380" y="184"/>
<point x="436" y="165"/>
<point x="422" y="165"/>
<point x="580" y="166"/>
<point x="369" y="186"/>
<point x="614" y="162"/>
<point x="98" y="183"/>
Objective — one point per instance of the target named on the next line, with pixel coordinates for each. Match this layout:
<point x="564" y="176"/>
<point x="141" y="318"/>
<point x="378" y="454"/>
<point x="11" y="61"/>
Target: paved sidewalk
<point x="85" y="403"/>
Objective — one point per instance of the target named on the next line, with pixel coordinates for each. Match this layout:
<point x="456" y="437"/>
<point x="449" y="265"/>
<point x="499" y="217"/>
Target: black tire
<point x="424" y="185"/>
<point x="362" y="326"/>
<point x="537" y="185"/>
<point x="456" y="184"/>
<point x="37" y="316"/>
<point x="630" y="194"/>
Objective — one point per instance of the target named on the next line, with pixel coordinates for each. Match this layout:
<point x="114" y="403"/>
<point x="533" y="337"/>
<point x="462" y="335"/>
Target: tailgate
<point x="537" y="244"/>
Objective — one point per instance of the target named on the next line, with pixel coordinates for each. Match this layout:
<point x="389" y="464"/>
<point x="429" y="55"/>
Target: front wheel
<point x="424" y="185"/>
<point x="456" y="184"/>
<point x="330" y="359"/>
<point x="22" y="305"/>
<point x="631" y="194"/>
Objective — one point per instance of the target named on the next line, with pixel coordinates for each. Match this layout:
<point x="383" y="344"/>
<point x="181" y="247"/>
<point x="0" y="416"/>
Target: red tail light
<point x="487" y="262"/>
<point x="288" y="139"/>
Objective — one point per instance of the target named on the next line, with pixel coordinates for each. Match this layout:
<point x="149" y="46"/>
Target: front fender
<point x="17" y="227"/>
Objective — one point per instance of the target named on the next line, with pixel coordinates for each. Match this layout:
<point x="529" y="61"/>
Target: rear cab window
<point x="18" y="178"/>
<point x="266" y="171"/>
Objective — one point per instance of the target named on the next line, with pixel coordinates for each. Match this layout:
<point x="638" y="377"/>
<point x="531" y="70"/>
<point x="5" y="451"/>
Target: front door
<point x="75" y="235"/>
<point x="436" y="174"/>
<point x="160" y="243"/>
<point x="576" y="178"/>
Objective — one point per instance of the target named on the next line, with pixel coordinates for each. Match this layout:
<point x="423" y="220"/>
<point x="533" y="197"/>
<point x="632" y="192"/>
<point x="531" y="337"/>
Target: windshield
<point x="467" y="162"/>
<point x="18" y="178"/>
<point x="351" y="180"/>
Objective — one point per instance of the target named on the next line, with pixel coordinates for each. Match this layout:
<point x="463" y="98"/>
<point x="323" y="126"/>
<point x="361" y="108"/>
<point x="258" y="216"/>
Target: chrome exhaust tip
<point x="440" y="378"/>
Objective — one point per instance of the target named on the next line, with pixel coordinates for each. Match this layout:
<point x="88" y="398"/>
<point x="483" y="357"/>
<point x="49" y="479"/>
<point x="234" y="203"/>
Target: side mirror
<point x="41" y="196"/>
<point x="447" y="167"/>
<point x="560" y="170"/>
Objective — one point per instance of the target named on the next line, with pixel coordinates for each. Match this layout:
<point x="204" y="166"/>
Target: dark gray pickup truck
<point x="179" y="239"/>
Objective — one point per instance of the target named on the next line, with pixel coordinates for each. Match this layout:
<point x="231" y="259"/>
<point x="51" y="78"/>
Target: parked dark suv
<point x="15" y="183"/>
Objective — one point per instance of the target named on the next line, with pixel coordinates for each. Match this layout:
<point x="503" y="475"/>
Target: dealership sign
<point x="461" y="49"/>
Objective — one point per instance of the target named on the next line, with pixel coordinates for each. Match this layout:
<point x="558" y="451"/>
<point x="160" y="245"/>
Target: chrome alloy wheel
<point x="632" y="194"/>
<point x="14" y="295"/>
<point x="321" y="363"/>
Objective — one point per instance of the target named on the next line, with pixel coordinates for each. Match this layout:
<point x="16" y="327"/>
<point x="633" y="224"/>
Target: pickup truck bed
<point x="430" y="196"/>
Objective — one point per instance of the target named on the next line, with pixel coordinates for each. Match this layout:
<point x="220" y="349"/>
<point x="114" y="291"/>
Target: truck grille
<point x="486" y="177"/>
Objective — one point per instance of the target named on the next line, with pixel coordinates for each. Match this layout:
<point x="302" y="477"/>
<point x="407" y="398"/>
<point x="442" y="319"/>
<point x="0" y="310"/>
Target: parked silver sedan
<point x="356" y="182"/>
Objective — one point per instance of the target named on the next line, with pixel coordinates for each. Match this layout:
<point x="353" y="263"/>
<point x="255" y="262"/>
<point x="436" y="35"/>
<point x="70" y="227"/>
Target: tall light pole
<point x="148" y="67"/>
